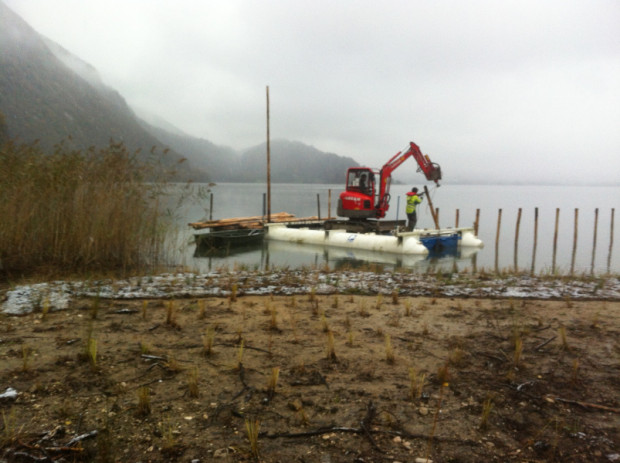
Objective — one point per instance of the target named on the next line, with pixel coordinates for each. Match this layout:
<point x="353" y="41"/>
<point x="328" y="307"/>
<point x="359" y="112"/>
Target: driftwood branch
<point x="366" y="424"/>
<point x="544" y="343"/>
<point x="81" y="437"/>
<point x="366" y="430"/>
<point x="344" y="429"/>
<point x="587" y="405"/>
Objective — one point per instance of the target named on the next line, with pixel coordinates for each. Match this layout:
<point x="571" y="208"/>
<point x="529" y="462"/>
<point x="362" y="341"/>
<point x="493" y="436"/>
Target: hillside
<point x="294" y="162"/>
<point x="44" y="99"/>
<point x="50" y="95"/>
<point x="220" y="162"/>
<point x="291" y="161"/>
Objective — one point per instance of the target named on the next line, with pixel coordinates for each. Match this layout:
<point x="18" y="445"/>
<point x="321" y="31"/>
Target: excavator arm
<point x="431" y="170"/>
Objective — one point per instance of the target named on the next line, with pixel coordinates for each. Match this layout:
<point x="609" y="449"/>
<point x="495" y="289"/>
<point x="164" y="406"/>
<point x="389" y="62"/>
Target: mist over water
<point x="239" y="200"/>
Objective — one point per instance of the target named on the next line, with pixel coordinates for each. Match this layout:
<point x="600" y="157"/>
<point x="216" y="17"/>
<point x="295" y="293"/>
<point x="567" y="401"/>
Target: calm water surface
<point x="237" y="200"/>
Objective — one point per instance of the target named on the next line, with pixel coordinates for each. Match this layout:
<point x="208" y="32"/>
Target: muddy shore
<point x="325" y="366"/>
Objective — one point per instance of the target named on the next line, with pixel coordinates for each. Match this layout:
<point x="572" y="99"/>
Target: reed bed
<point x="74" y="211"/>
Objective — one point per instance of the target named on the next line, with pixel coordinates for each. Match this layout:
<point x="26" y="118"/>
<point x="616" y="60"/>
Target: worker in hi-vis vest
<point x="413" y="199"/>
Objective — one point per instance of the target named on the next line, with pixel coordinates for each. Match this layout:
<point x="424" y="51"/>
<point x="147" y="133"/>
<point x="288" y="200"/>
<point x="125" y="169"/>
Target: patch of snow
<point x="26" y="299"/>
<point x="10" y="394"/>
<point x="58" y="295"/>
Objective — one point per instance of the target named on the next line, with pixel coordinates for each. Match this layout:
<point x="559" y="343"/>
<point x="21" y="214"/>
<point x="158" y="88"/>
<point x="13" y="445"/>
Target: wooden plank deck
<point x="254" y="222"/>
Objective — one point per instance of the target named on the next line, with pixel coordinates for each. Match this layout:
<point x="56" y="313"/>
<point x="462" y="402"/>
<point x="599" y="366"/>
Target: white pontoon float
<point x="419" y="242"/>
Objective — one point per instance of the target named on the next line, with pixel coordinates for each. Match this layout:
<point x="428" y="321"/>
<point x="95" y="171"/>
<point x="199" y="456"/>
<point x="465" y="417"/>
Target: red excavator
<point x="367" y="194"/>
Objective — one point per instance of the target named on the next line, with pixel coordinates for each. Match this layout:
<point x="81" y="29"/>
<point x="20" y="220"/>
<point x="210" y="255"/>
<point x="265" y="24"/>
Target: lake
<point x="238" y="200"/>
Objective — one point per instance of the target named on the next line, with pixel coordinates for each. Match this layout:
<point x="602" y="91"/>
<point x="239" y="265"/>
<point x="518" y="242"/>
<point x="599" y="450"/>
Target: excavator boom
<point x="431" y="170"/>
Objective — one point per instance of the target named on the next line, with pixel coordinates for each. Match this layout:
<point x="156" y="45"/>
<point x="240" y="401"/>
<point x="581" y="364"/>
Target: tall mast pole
<point x="268" y="164"/>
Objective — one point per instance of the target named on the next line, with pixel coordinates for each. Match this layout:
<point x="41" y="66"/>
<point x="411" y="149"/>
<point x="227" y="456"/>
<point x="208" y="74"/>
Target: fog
<point x="523" y="91"/>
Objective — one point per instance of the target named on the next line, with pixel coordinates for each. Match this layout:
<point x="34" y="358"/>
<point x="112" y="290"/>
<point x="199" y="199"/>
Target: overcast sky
<point x="526" y="89"/>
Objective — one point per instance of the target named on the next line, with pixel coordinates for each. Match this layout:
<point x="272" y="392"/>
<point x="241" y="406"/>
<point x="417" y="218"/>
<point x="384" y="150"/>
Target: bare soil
<point x="454" y="380"/>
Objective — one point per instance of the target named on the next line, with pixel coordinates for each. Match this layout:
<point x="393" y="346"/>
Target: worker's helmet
<point x="414" y="190"/>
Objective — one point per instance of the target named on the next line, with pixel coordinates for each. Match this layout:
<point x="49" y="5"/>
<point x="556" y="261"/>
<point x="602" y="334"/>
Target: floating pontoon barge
<point x="388" y="237"/>
<point x="419" y="242"/>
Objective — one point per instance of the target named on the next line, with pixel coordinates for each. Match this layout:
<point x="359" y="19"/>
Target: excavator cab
<point x="358" y="201"/>
<point x="361" y="180"/>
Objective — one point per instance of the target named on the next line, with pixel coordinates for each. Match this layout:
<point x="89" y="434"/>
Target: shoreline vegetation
<point x="80" y="212"/>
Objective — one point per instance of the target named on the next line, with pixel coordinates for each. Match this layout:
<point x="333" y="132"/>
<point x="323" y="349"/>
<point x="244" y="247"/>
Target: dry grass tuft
<point x="389" y="350"/>
<point x="144" y="402"/>
<point x="273" y="381"/>
<point x="252" y="428"/>
<point x="487" y="406"/>
<point x="416" y="383"/>
<point x="192" y="383"/>
<point x="208" y="340"/>
<point x="563" y="339"/>
<point x="331" y="348"/>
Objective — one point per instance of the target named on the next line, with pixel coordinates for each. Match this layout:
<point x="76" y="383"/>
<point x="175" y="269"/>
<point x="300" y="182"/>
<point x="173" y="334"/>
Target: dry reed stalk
<point x="350" y="338"/>
<point x="252" y="428"/>
<point x="408" y="308"/>
<point x="144" y="402"/>
<point x="563" y="337"/>
<point x="273" y="381"/>
<point x="192" y="383"/>
<point x="240" y="354"/>
<point x="389" y="350"/>
<point x="331" y="349"/>
<point x="273" y="321"/>
<point x="207" y="341"/>
<point x="518" y="351"/>
<point x="324" y="324"/>
<point x="416" y="383"/>
<point x="171" y="313"/>
<point x="202" y="309"/>
<point x="27" y="354"/>
<point x="575" y="371"/>
<point x="487" y="406"/>
<point x="87" y="211"/>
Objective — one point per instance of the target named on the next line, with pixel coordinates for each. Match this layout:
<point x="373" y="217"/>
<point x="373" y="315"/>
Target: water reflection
<point x="268" y="254"/>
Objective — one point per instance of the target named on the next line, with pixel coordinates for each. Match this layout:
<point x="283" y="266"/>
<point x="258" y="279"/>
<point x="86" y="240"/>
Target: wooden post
<point x="535" y="241"/>
<point x="594" y="240"/>
<point x="517" y="240"/>
<point x="437" y="215"/>
<point x="499" y="223"/>
<point x="555" y="239"/>
<point x="268" y="164"/>
<point x="572" y="260"/>
<point x="456" y="220"/>
<point x="318" y="205"/>
<point x="474" y="260"/>
<point x="211" y="207"/>
<point x="329" y="203"/>
<point x="611" y="239"/>
<point x="430" y="203"/>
